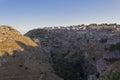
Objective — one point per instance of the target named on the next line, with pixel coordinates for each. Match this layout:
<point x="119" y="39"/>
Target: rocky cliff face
<point x="21" y="58"/>
<point x="83" y="52"/>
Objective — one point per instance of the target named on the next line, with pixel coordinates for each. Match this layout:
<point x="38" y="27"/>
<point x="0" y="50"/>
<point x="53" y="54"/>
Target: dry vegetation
<point x="9" y="39"/>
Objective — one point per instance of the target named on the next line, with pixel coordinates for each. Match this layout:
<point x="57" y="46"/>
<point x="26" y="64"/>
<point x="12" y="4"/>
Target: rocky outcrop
<point x="22" y="59"/>
<point x="112" y="55"/>
<point x="81" y="52"/>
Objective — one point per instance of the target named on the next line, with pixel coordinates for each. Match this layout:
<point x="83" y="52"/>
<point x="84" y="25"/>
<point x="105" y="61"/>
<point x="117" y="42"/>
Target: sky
<point x="25" y="15"/>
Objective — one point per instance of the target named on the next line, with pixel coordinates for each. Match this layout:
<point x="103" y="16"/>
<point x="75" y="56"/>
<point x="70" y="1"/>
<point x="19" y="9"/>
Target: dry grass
<point x="10" y="39"/>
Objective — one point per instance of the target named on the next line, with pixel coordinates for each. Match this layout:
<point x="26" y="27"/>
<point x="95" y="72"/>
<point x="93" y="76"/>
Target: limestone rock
<point x="80" y="52"/>
<point x="112" y="55"/>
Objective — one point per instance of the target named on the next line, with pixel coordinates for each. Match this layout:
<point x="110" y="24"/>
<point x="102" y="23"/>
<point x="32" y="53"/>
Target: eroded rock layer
<point x="82" y="52"/>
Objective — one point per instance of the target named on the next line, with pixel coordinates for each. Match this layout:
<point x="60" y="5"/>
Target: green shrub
<point x="103" y="40"/>
<point x="41" y="35"/>
<point x="114" y="47"/>
<point x="115" y="75"/>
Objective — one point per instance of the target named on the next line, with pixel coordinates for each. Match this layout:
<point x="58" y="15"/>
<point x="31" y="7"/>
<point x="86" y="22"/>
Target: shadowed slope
<point x="22" y="59"/>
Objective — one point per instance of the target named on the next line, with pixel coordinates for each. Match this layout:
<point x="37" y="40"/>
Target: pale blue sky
<point x="29" y="14"/>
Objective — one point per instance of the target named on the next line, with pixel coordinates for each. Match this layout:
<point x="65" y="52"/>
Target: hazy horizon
<point x="25" y="15"/>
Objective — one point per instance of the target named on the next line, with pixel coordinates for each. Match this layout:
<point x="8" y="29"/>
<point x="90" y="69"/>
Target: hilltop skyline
<point x="28" y="14"/>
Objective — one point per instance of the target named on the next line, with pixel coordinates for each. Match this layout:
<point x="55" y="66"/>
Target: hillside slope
<point x="21" y="58"/>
